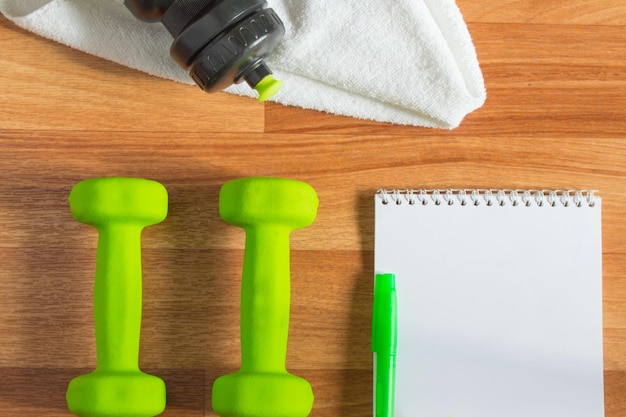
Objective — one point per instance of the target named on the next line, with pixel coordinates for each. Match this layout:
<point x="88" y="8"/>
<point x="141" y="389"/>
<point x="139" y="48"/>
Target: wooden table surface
<point x="555" y="117"/>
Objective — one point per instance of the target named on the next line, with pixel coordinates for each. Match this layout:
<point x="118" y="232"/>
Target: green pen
<point x="384" y="340"/>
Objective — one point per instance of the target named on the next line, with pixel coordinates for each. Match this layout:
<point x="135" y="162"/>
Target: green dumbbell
<point x="119" y="208"/>
<point x="268" y="209"/>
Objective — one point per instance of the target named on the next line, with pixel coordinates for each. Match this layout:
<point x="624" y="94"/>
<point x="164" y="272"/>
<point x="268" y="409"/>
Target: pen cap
<point x="384" y="329"/>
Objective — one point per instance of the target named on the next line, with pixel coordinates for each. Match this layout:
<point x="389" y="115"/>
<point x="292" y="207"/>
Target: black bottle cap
<point x="219" y="42"/>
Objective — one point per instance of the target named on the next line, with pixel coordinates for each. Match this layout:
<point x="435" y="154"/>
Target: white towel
<point x="401" y="61"/>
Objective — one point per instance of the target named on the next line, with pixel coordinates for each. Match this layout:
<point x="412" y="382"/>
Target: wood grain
<point x="555" y="117"/>
<point x="575" y="12"/>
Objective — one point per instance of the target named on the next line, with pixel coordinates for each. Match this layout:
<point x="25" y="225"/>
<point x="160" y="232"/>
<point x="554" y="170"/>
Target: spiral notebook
<point x="499" y="298"/>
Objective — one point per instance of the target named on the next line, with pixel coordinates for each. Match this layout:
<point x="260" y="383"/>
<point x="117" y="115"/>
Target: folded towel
<point x="403" y="61"/>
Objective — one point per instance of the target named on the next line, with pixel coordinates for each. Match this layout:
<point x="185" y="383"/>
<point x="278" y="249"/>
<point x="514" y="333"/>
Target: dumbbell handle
<point x="265" y="295"/>
<point x="117" y="297"/>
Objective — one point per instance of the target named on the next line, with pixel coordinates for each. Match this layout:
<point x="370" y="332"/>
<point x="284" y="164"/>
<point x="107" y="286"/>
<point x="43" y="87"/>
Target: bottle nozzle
<point x="268" y="87"/>
<point x="261" y="79"/>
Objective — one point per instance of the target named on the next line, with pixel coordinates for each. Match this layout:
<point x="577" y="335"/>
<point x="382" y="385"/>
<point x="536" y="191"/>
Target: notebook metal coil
<point x="490" y="197"/>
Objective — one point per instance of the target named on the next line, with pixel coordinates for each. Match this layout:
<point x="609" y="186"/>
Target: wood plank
<point x="554" y="12"/>
<point x="71" y="90"/>
<point x="41" y="169"/>
<point x="615" y="387"/>
<point x="541" y="80"/>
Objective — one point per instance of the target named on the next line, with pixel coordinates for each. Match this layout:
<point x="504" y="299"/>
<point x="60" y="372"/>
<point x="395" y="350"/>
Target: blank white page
<point x="499" y="306"/>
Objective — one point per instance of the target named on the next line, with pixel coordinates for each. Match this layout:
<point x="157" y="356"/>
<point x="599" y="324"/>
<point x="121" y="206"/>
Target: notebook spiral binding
<point x="490" y="197"/>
